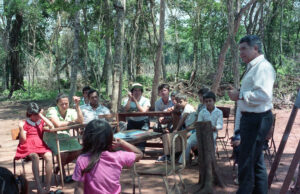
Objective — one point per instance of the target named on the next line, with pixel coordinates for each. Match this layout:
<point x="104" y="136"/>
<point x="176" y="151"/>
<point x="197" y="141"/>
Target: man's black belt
<point x="255" y="113"/>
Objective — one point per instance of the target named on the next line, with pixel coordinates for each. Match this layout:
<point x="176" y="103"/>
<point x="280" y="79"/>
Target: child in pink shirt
<point x="98" y="168"/>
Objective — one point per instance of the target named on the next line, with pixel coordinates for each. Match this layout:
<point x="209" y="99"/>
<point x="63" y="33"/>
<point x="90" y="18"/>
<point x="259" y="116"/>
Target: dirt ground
<point x="11" y="113"/>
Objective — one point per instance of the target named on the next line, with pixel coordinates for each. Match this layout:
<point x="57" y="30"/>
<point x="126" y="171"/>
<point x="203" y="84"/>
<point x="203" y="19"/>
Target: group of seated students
<point x="98" y="165"/>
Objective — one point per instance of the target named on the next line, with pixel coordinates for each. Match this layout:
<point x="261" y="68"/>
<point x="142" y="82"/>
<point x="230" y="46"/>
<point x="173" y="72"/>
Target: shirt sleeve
<point x="52" y="113"/>
<point x="126" y="158"/>
<point x="219" y="124"/>
<point x="77" y="171"/>
<point x="125" y="102"/>
<point x="262" y="90"/>
<point x="106" y="110"/>
<point x="200" y="116"/>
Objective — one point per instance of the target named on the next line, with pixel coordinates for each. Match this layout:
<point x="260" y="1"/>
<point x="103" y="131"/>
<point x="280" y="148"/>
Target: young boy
<point x="208" y="113"/>
<point x="188" y="115"/>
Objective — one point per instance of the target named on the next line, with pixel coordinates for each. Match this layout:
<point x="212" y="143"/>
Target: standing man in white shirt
<point x="254" y="103"/>
<point x="92" y="110"/>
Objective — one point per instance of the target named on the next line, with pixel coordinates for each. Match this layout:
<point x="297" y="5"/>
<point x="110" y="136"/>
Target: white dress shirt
<point x="257" y="86"/>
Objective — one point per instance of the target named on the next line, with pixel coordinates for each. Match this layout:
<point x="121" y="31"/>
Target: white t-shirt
<point x="191" y="118"/>
<point x="143" y="102"/>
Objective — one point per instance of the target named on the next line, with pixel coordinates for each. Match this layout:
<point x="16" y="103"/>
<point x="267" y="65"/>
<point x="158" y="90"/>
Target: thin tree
<point x="76" y="27"/>
<point x="221" y="59"/>
<point x="120" y="7"/>
<point x="157" y="65"/>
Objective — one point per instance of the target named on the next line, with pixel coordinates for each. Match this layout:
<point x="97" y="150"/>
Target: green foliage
<point x="36" y="93"/>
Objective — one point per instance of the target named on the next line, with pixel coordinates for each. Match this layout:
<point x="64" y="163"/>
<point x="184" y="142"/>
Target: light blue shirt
<point x="161" y="106"/>
<point x="90" y="114"/>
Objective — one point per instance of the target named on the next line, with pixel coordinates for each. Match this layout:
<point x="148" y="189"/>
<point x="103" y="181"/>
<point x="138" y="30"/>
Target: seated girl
<point x="61" y="116"/>
<point x="32" y="145"/>
<point x="98" y="169"/>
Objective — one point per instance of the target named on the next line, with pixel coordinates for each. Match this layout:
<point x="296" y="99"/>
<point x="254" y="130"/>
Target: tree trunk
<point x="157" y="67"/>
<point x="163" y="66"/>
<point x="85" y="74"/>
<point x="177" y="49"/>
<point x="208" y="168"/>
<point x="57" y="51"/>
<point x="75" y="53"/>
<point x="14" y="61"/>
<point x="120" y="7"/>
<point x="107" y="74"/>
<point x="221" y="60"/>
<point x="195" y="45"/>
<point x="133" y="44"/>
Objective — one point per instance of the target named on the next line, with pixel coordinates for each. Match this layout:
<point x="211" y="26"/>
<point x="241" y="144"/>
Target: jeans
<point x="252" y="172"/>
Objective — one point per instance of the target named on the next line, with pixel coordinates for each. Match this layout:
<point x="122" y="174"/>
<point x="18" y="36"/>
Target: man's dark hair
<point x="209" y="94"/>
<point x="181" y="97"/>
<point x="92" y="91"/>
<point x="86" y="88"/>
<point x="60" y="96"/>
<point x="162" y="86"/>
<point x="252" y="40"/>
<point x="202" y="91"/>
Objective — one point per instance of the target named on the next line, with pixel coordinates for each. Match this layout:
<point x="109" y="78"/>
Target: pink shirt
<point x="105" y="176"/>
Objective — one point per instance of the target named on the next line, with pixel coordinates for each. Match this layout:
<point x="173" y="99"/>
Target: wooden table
<point x="137" y="136"/>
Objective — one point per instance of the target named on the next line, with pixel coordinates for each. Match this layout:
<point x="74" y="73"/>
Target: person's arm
<point x="22" y="135"/>
<point x="119" y="143"/>
<point x="79" y="188"/>
<point x="140" y="108"/>
<point x="79" y="118"/>
<point x="47" y="121"/>
<point x="181" y="122"/>
<point x="219" y="123"/>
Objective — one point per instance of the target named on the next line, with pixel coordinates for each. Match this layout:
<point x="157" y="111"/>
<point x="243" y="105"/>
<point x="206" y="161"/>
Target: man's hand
<point x="76" y="100"/>
<point x="233" y="94"/>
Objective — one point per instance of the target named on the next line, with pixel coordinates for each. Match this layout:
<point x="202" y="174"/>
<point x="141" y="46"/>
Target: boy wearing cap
<point x="136" y="102"/>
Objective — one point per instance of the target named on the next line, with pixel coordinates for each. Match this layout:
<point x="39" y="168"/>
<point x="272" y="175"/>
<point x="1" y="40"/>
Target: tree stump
<point x="208" y="169"/>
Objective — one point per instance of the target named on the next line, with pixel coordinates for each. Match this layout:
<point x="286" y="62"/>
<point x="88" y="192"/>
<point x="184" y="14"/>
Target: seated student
<point x="62" y="116"/>
<point x="188" y="115"/>
<point x="84" y="100"/>
<point x="11" y="184"/>
<point x="209" y="113"/>
<point x="98" y="168"/>
<point x="136" y="102"/>
<point x="32" y="144"/>
<point x="92" y="110"/>
<point x="163" y="104"/>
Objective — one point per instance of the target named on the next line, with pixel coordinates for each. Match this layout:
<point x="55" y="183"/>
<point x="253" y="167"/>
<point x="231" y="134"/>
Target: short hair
<point x="209" y="94"/>
<point x="181" y="97"/>
<point x="174" y="93"/>
<point x="86" y="88"/>
<point x="162" y="86"/>
<point x="252" y="40"/>
<point x="92" y="91"/>
<point x="32" y="109"/>
<point x="202" y="91"/>
<point x="60" y="96"/>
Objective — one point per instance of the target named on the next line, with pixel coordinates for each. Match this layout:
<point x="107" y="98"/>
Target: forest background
<point x="62" y="45"/>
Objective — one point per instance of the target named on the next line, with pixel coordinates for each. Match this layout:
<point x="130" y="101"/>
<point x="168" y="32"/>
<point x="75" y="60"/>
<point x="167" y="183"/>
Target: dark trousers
<point x="252" y="172"/>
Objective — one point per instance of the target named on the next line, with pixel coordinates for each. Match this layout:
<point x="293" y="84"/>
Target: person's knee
<point x="34" y="156"/>
<point x="48" y="157"/>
